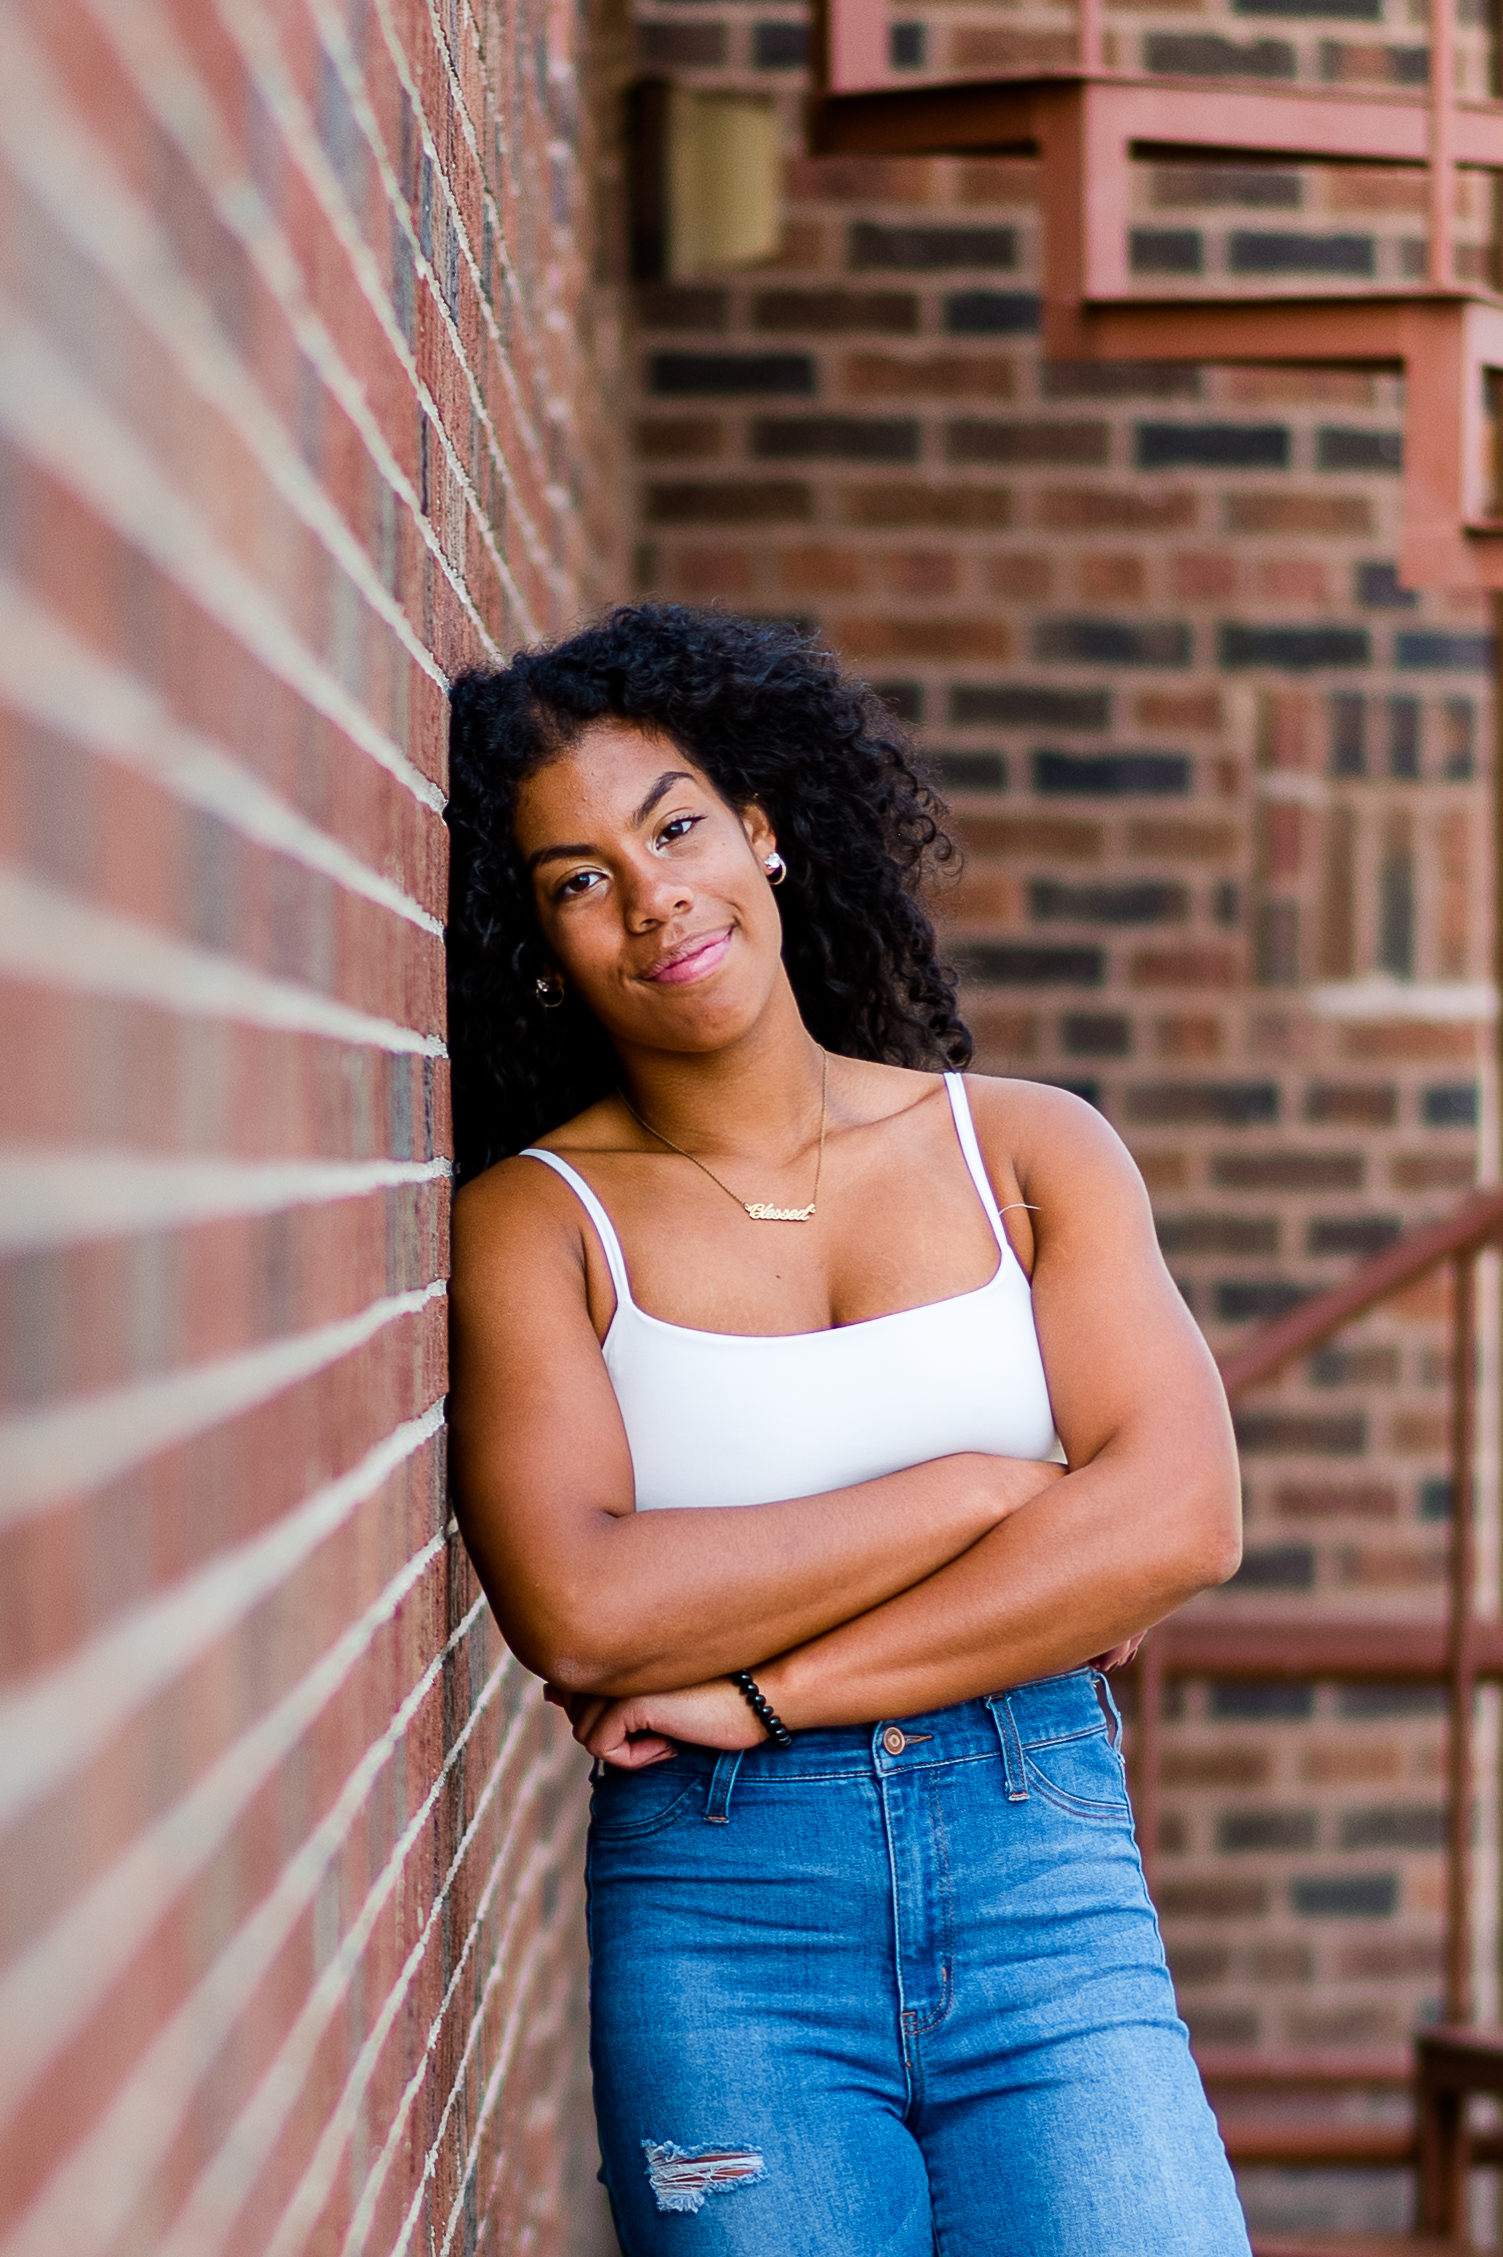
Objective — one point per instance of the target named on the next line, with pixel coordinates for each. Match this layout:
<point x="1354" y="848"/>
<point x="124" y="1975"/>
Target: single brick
<point x="780" y="46"/>
<point x="1101" y="509"/>
<point x="969" y="772"/>
<point x="1336" y="514"/>
<point x="1293" y="649"/>
<point x="661" y="439"/>
<point x="1287" y="1171"/>
<point x="1240" y="1300"/>
<point x="1375" y="1365"/>
<point x="820" y="568"/>
<point x="1014" y="964"/>
<point x="1211" y="446"/>
<point x="1194" y="1964"/>
<point x="1432" y="1171"/>
<point x="1349" y="1762"/>
<point x="1166" y="250"/>
<point x="920" y="249"/>
<point x="1449" y="1105"/>
<point x="1170" y="839"/>
<point x="1199" y="54"/>
<point x="1177" y="709"/>
<point x="1352" y="1104"/>
<point x="663" y="46"/>
<point x="1221" y="1764"/>
<point x="1113" y="642"/>
<point x="1025" y="578"/>
<point x="835" y="438"/>
<point x="1258" y="185"/>
<point x="834" y="313"/>
<point x="921" y="572"/>
<point x="1245" y="1235"/>
<point x="1283" y="251"/>
<point x="729" y="501"/>
<point x="972" y="439"/>
<point x="1204" y="579"/>
<point x="1109" y="774"/>
<point x="1114" y="579"/>
<point x="1389" y="1958"/>
<point x="1095" y="1034"/>
<point x="904" y="699"/>
<point x="939" y="641"/>
<point x="991" y="313"/>
<point x="1361" y="1235"/>
<point x="663" y="305"/>
<point x="1336" y="449"/>
<point x="1281" y="1963"/>
<point x="943" y="376"/>
<point x="729" y="374"/>
<point x="1378" y="1702"/>
<point x="1454" y="651"/>
<point x="1218" y="1899"/>
<point x="1337" y="1500"/>
<point x="1231" y="1104"/>
<point x="957" y="509"/>
<point x="1377" y="585"/>
<point x="1241" y="1830"/>
<point x="1001" y="52"/>
<point x="1252" y="1700"/>
<point x="1395" y="1826"/>
<point x="1057" y="837"/>
<point x="1134" y="902"/>
<point x="1119" y="380"/>
<point x="1224" y="2025"/>
<point x="1301" y="1433"/>
<point x="1355" y="1896"/>
<point x="1021" y="705"/>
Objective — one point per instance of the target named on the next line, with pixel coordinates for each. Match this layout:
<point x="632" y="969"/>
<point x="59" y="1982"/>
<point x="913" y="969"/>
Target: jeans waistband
<point x="1051" y="1708"/>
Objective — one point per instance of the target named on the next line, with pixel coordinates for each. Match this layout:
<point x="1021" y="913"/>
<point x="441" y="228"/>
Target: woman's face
<point x="650" y="891"/>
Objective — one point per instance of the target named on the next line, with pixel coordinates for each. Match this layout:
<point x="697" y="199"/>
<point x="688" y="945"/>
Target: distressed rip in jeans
<point x="895" y="1990"/>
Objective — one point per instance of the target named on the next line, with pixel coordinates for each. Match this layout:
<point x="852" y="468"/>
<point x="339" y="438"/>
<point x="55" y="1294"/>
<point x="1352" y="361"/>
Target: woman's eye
<point x="679" y="828"/>
<point x="579" y="882"/>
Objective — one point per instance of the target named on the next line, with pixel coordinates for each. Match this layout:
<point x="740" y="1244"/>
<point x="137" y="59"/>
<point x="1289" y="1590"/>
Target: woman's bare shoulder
<point x="1048" y="1135"/>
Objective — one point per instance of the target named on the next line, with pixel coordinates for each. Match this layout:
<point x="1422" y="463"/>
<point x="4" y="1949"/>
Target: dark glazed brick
<point x="991" y="313"/>
<point x="1095" y="1034"/>
<point x="780" y="46"/>
<point x="1294" y="649"/>
<point x="1113" y="642"/>
<point x="1110" y="775"/>
<point x="1141" y="902"/>
<point x="1276" y="1567"/>
<point x="925" y="250"/>
<point x="1119" y="380"/>
<point x="1266" y="1830"/>
<point x="1287" y="1171"/>
<point x="684" y="46"/>
<point x="1435" y="1499"/>
<point x="1363" y="11"/>
<point x="1251" y="1701"/>
<point x="1353" y="1104"/>
<point x="1363" y="1235"/>
<point x="838" y="313"/>
<point x="1166" y="250"/>
<point x="1378" y="587"/>
<point x="1450" y="1105"/>
<point x="904" y="700"/>
<point x="907" y="46"/>
<point x="1395" y="1826"/>
<point x="1200" y="54"/>
<point x="1416" y="650"/>
<point x="1336" y="449"/>
<point x="1233" y="1104"/>
<point x="1377" y="1703"/>
<point x="972" y="439"/>
<point x="1358" y="1896"/>
<point x="1243" y="1299"/>
<point x="836" y="438"/>
<point x="1211" y="446"/>
<point x="1219" y="1234"/>
<point x="1021" y="706"/>
<point x="667" y="305"/>
<point x="761" y="501"/>
<point x="726" y="374"/>
<point x="1301" y="1433"/>
<point x="1010" y="964"/>
<point x="1260" y="251"/>
<point x="1257" y="185"/>
<point x="969" y="771"/>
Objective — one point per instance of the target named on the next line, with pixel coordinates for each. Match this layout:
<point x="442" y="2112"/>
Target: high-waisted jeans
<point x="895" y="1990"/>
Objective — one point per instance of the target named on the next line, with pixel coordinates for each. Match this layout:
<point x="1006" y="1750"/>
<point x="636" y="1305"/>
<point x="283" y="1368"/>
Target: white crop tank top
<point x="730" y="1418"/>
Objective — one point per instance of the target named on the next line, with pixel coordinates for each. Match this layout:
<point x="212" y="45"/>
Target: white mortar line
<point x="86" y="1440"/>
<point x="59" y="1198"/>
<point x="49" y="673"/>
<point x="66" y="941"/>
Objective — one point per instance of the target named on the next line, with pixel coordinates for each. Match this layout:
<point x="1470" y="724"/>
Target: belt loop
<point x="1012" y="1747"/>
<point x="1107" y="1698"/>
<point x="722" y="1779"/>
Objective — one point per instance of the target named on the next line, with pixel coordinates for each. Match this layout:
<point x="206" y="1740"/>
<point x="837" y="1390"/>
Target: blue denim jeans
<point x="894" y="1991"/>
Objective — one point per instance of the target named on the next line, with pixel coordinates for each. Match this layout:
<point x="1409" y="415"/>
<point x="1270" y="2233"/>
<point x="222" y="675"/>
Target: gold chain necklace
<point x="758" y="1209"/>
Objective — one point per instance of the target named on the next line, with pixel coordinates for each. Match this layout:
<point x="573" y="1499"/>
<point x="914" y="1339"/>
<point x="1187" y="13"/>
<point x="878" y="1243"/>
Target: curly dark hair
<point x="765" y="714"/>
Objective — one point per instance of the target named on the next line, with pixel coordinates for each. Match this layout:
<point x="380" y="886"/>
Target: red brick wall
<point x="299" y="411"/>
<point x="1214" y="772"/>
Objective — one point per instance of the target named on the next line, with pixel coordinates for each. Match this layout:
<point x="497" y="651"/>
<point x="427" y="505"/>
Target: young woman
<point x="819" y="1414"/>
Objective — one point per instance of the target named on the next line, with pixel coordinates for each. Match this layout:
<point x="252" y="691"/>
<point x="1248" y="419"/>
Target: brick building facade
<point x="300" y="409"/>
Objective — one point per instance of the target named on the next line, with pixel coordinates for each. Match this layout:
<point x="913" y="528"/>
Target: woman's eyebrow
<point x="664" y="784"/>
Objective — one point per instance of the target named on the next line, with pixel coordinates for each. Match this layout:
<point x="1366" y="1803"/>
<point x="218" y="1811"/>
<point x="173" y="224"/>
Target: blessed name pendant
<point x="760" y="1212"/>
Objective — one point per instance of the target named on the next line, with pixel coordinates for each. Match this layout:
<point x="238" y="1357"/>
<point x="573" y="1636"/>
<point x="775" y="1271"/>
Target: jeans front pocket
<point x="1081" y="1775"/>
<point x="628" y="1803"/>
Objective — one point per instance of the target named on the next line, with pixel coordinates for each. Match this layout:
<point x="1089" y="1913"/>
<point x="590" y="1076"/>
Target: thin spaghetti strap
<point x="965" y="1129"/>
<point x="605" y="1228"/>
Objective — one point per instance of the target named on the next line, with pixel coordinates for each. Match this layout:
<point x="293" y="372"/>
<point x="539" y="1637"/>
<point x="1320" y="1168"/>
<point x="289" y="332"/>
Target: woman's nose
<point x="653" y="894"/>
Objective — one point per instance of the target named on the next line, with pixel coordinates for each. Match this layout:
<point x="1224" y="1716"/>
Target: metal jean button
<point x="893" y="1740"/>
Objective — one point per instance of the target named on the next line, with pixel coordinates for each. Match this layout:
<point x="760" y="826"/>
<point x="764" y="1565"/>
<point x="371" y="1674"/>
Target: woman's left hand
<point x="643" y="1728"/>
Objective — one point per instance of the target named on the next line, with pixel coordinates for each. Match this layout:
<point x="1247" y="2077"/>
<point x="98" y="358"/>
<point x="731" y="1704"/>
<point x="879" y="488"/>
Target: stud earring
<point x="549" y="990"/>
<point x="776" y="868"/>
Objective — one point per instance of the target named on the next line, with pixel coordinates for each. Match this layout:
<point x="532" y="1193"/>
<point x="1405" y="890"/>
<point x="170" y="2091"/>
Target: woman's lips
<point x="699" y="958"/>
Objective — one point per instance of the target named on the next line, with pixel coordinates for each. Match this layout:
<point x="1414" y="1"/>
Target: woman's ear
<point x="760" y="834"/>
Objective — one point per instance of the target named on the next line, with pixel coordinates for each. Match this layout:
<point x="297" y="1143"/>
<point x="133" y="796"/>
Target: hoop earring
<point x="549" y="990"/>
<point x="776" y="869"/>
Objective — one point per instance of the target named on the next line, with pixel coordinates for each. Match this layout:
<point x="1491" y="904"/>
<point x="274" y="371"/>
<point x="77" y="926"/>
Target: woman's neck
<point x="761" y="1094"/>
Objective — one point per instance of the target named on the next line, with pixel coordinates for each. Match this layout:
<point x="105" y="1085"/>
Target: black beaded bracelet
<point x="761" y="1707"/>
